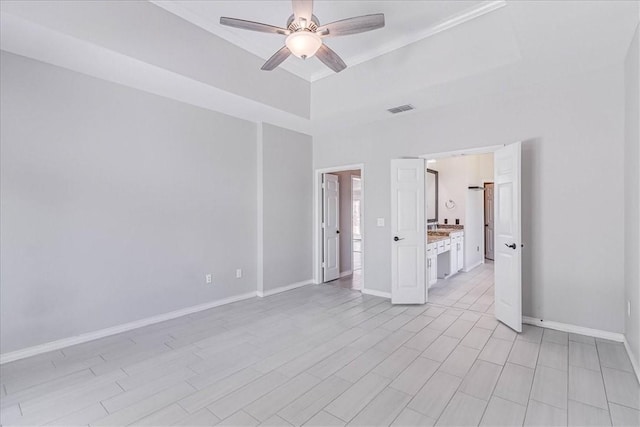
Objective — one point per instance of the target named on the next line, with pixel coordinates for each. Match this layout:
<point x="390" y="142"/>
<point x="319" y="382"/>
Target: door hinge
<point x="323" y="186"/>
<point x="323" y="265"/>
<point x="323" y="225"/>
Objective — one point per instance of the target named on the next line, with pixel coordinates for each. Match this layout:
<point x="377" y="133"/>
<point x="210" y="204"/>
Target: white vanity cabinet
<point x="432" y="263"/>
<point x="451" y="259"/>
<point x="456" y="254"/>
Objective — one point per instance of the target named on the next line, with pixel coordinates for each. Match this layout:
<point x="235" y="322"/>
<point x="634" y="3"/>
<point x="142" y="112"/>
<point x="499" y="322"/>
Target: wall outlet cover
<point x="380" y="222"/>
<point x="208" y="278"/>
<point x="238" y="273"/>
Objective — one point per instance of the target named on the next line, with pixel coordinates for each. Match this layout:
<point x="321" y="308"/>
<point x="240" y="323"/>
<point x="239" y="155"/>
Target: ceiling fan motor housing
<point x="293" y="25"/>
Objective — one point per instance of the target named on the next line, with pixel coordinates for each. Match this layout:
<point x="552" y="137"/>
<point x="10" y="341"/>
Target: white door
<point x="330" y="227"/>
<point x="408" y="232"/>
<point x="508" y="237"/>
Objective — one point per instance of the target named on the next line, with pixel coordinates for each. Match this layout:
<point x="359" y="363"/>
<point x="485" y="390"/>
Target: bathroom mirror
<point x="432" y="196"/>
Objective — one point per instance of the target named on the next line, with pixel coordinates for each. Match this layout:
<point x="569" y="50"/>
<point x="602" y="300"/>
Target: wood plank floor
<point x="325" y="355"/>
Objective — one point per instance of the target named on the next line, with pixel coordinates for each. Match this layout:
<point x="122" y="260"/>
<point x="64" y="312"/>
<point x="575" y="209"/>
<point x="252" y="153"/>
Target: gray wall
<point x="287" y="207"/>
<point x="632" y="197"/>
<point x="144" y="31"/>
<point x="572" y="176"/>
<point x="115" y="204"/>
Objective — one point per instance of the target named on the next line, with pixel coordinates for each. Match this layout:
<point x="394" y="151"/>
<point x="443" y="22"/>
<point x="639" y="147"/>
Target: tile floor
<point x="323" y="356"/>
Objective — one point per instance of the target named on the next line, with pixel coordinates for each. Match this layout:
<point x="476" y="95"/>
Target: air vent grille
<point x="401" y="109"/>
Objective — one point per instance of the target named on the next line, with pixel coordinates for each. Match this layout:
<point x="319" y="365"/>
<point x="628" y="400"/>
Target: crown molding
<point x="185" y="13"/>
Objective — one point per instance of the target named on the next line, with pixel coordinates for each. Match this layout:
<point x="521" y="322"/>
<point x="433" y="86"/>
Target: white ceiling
<point x="405" y="22"/>
<point x="144" y="46"/>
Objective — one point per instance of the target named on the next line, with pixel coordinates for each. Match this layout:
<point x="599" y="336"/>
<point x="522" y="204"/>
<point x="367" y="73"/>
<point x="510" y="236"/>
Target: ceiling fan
<point x="305" y="34"/>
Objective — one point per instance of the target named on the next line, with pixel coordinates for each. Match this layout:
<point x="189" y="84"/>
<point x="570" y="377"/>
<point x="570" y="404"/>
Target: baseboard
<point x="376" y="293"/>
<point x="90" y="336"/>
<point x="565" y="327"/>
<point x="477" y="264"/>
<point x="634" y="363"/>
<point x="262" y="294"/>
<point x="346" y="273"/>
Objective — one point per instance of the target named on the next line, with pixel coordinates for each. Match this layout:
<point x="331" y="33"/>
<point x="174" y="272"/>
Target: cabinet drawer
<point x="447" y="244"/>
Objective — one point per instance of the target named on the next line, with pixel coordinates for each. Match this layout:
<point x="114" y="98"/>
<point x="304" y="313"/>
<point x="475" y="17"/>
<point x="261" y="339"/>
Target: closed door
<point x="488" y="221"/>
<point x="408" y="232"/>
<point x="508" y="237"/>
<point x="330" y="227"/>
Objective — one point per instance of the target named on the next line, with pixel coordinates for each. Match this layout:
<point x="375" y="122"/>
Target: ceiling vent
<point x="401" y="109"/>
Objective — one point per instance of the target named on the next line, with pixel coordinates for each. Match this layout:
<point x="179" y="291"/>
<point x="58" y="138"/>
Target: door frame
<point x="317" y="218"/>
<point x="359" y="178"/>
<point x="469" y="151"/>
<point x="484" y="185"/>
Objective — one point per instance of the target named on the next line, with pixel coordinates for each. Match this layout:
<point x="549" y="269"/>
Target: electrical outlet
<point x="238" y="273"/>
<point x="628" y="308"/>
<point x="380" y="222"/>
<point x="208" y="278"/>
<point x="477" y="248"/>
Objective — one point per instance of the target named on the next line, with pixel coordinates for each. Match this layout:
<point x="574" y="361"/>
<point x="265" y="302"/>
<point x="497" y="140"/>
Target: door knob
<point x="512" y="246"/>
<point x="337" y="231"/>
<point x="396" y="238"/>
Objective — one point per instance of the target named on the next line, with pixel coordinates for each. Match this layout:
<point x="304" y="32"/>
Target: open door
<point x="408" y="232"/>
<point x="508" y="237"/>
<point x="330" y="227"/>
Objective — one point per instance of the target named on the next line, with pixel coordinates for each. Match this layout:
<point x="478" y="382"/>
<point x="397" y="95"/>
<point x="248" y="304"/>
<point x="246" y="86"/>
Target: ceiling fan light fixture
<point x="303" y="44"/>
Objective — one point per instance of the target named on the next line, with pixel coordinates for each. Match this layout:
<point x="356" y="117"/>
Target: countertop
<point x="442" y="233"/>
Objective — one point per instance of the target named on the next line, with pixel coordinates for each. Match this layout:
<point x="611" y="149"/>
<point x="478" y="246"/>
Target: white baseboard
<point x="90" y="336"/>
<point x="466" y="270"/>
<point x="634" y="363"/>
<point x="376" y="293"/>
<point x="262" y="294"/>
<point x="346" y="273"/>
<point x="565" y="327"/>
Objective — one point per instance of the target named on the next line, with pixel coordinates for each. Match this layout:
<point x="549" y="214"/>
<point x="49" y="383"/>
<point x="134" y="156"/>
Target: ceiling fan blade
<point x="253" y="26"/>
<point x="302" y="9"/>
<point x="358" y="24"/>
<point x="330" y="58"/>
<point x="276" y="59"/>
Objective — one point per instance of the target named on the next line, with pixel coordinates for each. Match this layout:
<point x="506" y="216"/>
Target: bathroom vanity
<point x="445" y="253"/>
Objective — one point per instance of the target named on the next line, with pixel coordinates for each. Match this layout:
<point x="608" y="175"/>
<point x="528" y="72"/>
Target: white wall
<point x="571" y="273"/>
<point x="480" y="171"/>
<point x="287" y="207"/>
<point x="452" y="185"/>
<point x="455" y="175"/>
<point x="632" y="198"/>
<point x="115" y="204"/>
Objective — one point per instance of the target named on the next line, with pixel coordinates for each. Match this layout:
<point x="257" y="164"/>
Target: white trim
<point x="346" y="273"/>
<point x="376" y="293"/>
<point x="634" y="363"/>
<point x="285" y="288"/>
<point x="565" y="327"/>
<point x="466" y="270"/>
<point x="260" y="202"/>
<point x="466" y="152"/>
<point x="101" y="333"/>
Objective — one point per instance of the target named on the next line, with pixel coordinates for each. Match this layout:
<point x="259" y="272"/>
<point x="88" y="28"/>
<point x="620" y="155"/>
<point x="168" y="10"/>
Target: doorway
<point x="454" y="248"/>
<point x="339" y="229"/>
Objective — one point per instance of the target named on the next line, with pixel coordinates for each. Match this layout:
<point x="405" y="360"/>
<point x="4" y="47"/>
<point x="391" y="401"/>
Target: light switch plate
<point x="380" y="222"/>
